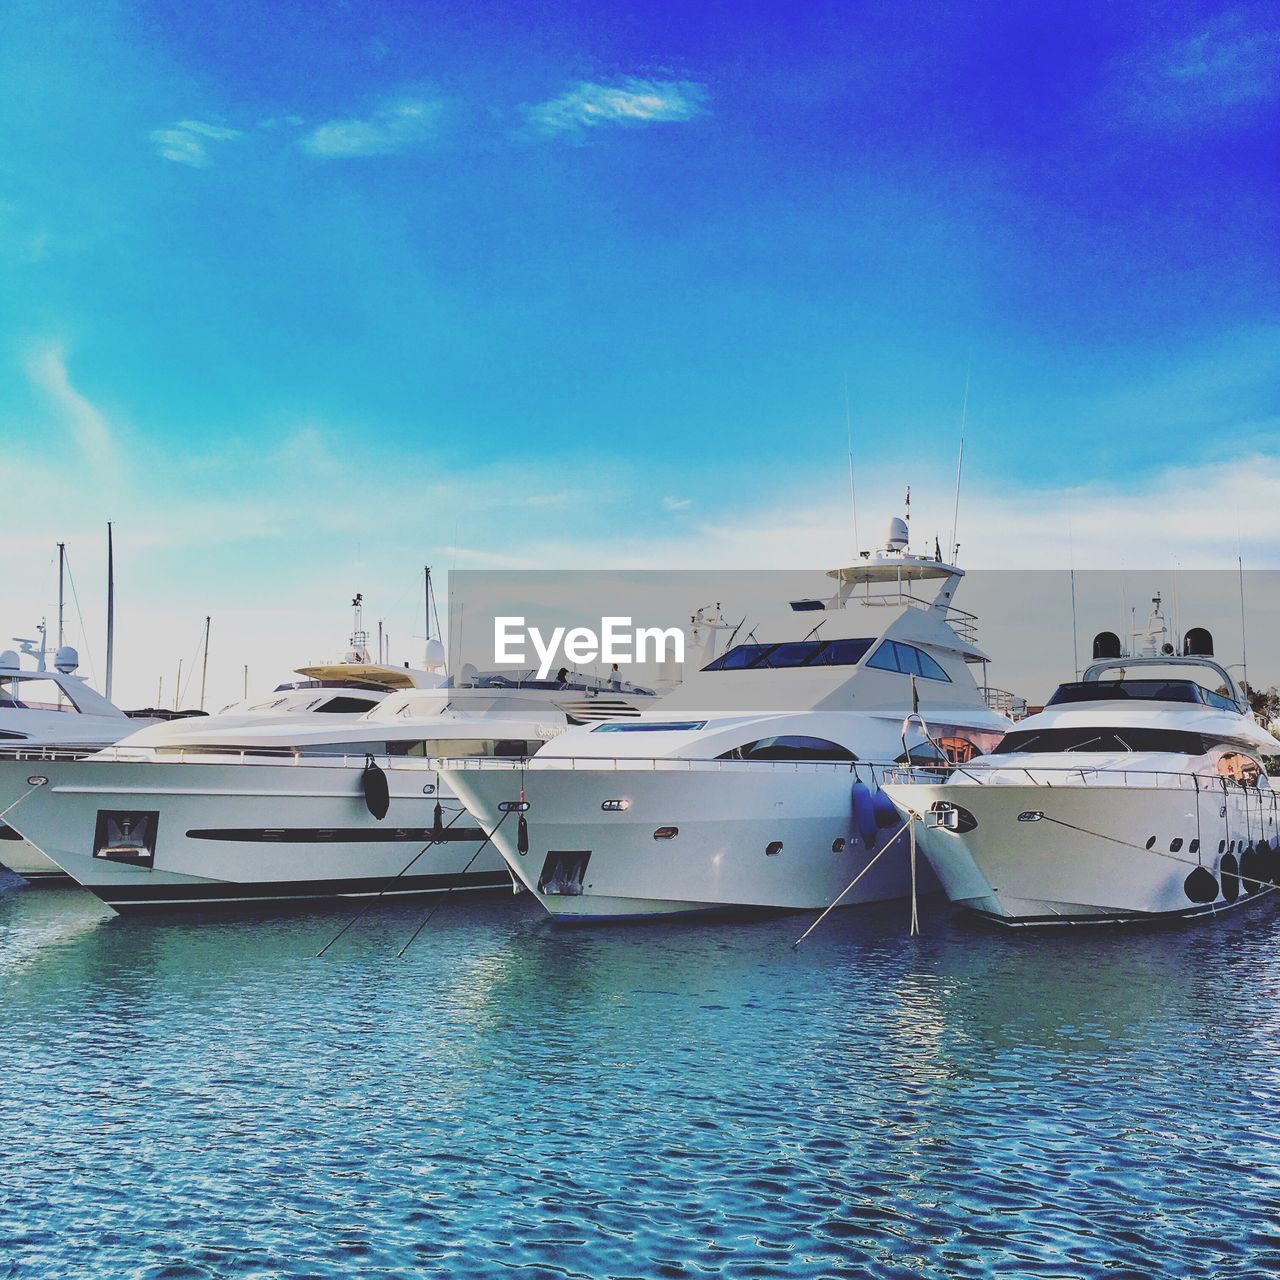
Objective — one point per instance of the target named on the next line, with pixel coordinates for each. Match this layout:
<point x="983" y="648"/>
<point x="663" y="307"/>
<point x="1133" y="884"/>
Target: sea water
<point x="189" y="1098"/>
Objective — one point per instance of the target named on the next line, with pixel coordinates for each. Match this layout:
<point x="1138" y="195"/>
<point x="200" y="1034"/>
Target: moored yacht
<point x="754" y="784"/>
<point x="50" y="709"/>
<point x="225" y="810"/>
<point x="1138" y="793"/>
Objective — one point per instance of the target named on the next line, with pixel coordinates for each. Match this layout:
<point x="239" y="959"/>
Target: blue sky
<point x="303" y="295"/>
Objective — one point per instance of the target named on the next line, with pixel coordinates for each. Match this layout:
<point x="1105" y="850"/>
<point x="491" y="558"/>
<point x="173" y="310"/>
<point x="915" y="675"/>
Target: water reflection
<point x="635" y="1101"/>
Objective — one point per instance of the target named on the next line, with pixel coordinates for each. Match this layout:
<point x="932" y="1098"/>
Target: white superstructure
<point x="1139" y="792"/>
<point x="755" y="783"/>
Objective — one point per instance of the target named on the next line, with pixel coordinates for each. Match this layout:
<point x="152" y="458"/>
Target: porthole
<point x="837" y="845"/>
<point x="1222" y="846"/>
<point x="1151" y="842"/>
<point x="1175" y="844"/>
<point x="1194" y="847"/>
<point x="773" y="848"/>
<point x="666" y="833"/>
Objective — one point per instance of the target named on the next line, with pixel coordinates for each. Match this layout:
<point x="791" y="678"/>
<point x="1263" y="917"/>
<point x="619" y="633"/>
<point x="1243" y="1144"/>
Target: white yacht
<point x="223" y="810"/>
<point x="755" y="783"/>
<point x="1138" y="793"/>
<point x="56" y="715"/>
<point x="55" y="709"/>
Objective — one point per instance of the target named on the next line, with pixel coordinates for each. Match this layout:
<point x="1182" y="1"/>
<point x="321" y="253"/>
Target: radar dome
<point x="898" y="534"/>
<point x="9" y="658"/>
<point x="66" y="660"/>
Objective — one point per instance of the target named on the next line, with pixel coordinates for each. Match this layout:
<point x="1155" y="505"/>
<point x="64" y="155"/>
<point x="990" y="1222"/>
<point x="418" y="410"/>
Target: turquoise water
<point x="511" y="1099"/>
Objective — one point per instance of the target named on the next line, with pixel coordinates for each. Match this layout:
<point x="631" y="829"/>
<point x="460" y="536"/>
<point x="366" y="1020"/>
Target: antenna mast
<point x="1244" y="651"/>
<point x="853" y="493"/>
<point x="62" y="565"/>
<point x="204" y="668"/>
<point x="111" y="607"/>
<point x="964" y="421"/>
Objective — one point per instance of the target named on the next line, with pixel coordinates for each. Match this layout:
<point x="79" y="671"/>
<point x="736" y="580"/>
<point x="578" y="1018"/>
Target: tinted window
<point x="789" y="747"/>
<point x="797" y="654"/>
<point x="1109" y="741"/>
<point x="842" y="653"/>
<point x="1120" y="690"/>
<point x="343" y="705"/>
<point x="650" y="726"/>
<point x="893" y="656"/>
<point x="740" y="656"/>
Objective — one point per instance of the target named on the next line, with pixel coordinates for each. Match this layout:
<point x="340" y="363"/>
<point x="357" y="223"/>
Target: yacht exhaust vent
<point x="1106" y="644"/>
<point x="1197" y="643"/>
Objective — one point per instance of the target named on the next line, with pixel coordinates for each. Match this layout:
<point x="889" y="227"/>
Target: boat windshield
<point x="793" y="653"/>
<point x="1104" y="741"/>
<point x="34" y="693"/>
<point x="1151" y="690"/>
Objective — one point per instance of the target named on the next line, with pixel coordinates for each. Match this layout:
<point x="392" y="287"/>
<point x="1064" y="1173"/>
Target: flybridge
<point x="616" y="641"/>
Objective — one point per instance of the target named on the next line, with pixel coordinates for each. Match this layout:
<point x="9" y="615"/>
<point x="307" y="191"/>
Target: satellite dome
<point x="898" y="534"/>
<point x="9" y="659"/>
<point x="66" y="660"/>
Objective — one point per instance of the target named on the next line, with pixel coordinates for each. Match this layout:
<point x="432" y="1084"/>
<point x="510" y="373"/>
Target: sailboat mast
<point x="62" y="567"/>
<point x="111" y="608"/>
<point x="204" y="668"/>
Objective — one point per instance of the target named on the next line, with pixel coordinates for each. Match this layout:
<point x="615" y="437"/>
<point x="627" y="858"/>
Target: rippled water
<point x="512" y="1099"/>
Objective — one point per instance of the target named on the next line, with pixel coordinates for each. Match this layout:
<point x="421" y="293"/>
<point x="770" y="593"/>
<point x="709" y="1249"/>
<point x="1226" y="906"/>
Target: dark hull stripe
<point x="337" y="835"/>
<point x="125" y="897"/>
<point x="8" y="833"/>
<point x="1126" y="917"/>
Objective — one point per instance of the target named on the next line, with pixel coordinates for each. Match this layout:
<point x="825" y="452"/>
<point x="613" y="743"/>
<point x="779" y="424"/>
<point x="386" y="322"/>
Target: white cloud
<point x="394" y="127"/>
<point x="187" y="142"/>
<point x="91" y="434"/>
<point x="677" y="504"/>
<point x="1231" y="62"/>
<point x="588" y="105"/>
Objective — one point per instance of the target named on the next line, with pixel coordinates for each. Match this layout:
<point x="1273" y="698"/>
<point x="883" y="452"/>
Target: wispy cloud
<point x="1233" y="61"/>
<point x="677" y="504"/>
<point x="188" y="141"/>
<point x="393" y="127"/>
<point x="632" y="102"/>
<point x="46" y="366"/>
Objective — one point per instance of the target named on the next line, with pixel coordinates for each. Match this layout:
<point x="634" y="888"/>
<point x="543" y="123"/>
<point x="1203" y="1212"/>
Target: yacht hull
<point x="160" y="835"/>
<point x="23" y="858"/>
<point x="747" y="837"/>
<point x="1068" y="854"/>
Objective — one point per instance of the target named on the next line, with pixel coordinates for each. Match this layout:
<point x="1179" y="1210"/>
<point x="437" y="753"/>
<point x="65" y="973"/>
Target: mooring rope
<point x="35" y="786"/>
<point x="1160" y="853"/>
<point x="888" y="845"/>
<point x="368" y="906"/>
<point x="450" y="889"/>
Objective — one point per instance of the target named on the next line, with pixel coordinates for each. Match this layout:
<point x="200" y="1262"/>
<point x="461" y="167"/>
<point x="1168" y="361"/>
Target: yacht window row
<point x="414" y="748"/>
<point x="1104" y="740"/>
<point x="1153" y="690"/>
<point x="891" y="655"/>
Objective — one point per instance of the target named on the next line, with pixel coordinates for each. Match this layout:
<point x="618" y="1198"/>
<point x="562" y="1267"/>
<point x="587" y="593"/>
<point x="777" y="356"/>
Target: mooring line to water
<point x="35" y="786"/>
<point x="888" y="845"/>
<point x="450" y="889"/>
<point x="368" y="906"/>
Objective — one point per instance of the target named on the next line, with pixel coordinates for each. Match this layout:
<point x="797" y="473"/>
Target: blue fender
<point x="864" y="813"/>
<point x="885" y="810"/>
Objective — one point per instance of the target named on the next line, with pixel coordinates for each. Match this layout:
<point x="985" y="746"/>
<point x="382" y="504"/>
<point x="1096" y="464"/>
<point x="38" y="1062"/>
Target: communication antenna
<point x="62" y="569"/>
<point x="964" y="422"/>
<point x="1075" y="642"/>
<point x="111" y="608"/>
<point x="1244" y="652"/>
<point x="853" y="493"/>
<point x="204" y="665"/>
